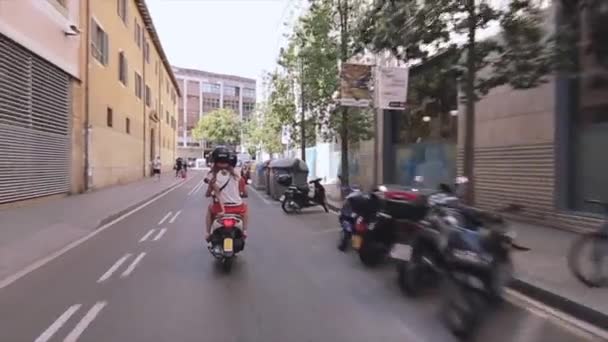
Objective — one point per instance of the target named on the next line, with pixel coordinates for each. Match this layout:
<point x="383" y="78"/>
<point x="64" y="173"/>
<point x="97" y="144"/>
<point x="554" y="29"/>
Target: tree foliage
<point x="414" y="31"/>
<point x="222" y="126"/>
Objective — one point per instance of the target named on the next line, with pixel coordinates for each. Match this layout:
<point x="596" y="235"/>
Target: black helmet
<point x="220" y="154"/>
<point x="233" y="159"/>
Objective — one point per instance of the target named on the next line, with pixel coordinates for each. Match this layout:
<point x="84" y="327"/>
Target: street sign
<point x="355" y="85"/>
<point x="392" y="87"/>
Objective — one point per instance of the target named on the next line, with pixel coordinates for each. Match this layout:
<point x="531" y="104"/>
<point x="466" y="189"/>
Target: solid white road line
<point x="43" y="261"/>
<point x="84" y="322"/>
<point x="133" y="265"/>
<point x="50" y="331"/>
<point x="529" y="330"/>
<point x="114" y="267"/>
<point x="260" y="195"/>
<point x="196" y="188"/>
<point x="199" y="188"/>
<point x="164" y="218"/>
<point x="160" y="234"/>
<point x="175" y="217"/>
<point x="145" y="237"/>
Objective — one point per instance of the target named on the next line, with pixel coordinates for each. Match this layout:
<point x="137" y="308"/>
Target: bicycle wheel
<point x="590" y="268"/>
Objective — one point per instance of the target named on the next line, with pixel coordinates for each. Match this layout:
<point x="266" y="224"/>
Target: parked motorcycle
<point x="297" y="197"/>
<point x="359" y="209"/>
<point x="420" y="266"/>
<point x="227" y="239"/>
<point x="395" y="219"/>
<point x="479" y="267"/>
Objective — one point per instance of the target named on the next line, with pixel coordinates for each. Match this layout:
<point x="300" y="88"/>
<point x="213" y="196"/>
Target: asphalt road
<point x="150" y="278"/>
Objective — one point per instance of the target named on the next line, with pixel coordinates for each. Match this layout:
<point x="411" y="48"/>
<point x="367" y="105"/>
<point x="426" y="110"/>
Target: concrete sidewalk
<point x="542" y="273"/>
<point x="32" y="232"/>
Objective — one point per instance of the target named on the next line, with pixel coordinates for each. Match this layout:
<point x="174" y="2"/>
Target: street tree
<point x="413" y="31"/>
<point x="222" y="126"/>
<point x="321" y="41"/>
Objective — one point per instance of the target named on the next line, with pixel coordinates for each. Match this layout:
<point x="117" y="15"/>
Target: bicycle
<point x="598" y="241"/>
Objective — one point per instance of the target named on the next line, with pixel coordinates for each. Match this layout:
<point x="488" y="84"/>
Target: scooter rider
<point x="224" y="187"/>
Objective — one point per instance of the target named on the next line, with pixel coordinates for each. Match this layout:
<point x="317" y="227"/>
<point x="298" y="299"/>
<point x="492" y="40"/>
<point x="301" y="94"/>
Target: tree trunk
<point x="302" y="121"/>
<point x="344" y="147"/>
<point x="343" y="13"/>
<point x="469" y="139"/>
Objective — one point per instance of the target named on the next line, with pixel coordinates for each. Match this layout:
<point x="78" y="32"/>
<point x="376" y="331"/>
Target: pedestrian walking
<point x="156" y="165"/>
<point x="178" y="166"/>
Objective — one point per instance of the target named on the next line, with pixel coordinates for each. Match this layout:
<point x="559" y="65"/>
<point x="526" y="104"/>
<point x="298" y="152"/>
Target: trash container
<point x="258" y="176"/>
<point x="294" y="167"/>
<point x="267" y="175"/>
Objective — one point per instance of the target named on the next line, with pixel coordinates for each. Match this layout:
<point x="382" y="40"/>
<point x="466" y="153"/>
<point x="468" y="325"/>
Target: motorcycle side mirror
<point x="462" y="180"/>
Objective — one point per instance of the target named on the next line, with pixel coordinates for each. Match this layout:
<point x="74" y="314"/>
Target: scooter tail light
<point x="228" y="223"/>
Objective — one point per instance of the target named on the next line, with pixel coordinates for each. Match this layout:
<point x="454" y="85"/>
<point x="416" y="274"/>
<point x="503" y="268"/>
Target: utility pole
<point x="302" y="121"/>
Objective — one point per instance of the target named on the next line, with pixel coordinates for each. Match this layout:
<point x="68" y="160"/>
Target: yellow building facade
<point x="132" y="94"/>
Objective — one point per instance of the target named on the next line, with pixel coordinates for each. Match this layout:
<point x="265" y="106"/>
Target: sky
<point x="236" y="37"/>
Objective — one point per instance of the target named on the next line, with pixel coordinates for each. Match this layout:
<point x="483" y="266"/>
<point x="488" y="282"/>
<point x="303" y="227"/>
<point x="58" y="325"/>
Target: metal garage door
<point x="34" y="125"/>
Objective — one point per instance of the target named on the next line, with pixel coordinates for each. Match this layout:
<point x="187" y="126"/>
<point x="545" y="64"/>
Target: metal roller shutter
<point x="34" y="125"/>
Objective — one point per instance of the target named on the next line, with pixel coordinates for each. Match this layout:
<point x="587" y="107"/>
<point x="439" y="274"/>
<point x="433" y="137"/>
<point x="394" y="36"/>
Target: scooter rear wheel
<point x="287" y="207"/>
<point x="370" y="254"/>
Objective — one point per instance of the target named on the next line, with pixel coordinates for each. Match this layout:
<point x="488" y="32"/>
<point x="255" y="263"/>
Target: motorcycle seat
<point x="301" y="187"/>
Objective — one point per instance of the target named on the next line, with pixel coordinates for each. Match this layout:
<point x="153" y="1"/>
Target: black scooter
<point x="296" y="197"/>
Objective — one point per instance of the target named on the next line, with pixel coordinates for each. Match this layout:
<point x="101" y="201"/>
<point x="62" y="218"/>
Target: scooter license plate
<point x="401" y="252"/>
<point x="357" y="240"/>
<point x="282" y="198"/>
<point x="228" y="245"/>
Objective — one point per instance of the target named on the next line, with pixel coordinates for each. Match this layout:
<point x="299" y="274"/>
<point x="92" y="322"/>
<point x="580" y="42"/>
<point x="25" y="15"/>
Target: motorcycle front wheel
<point x="462" y="309"/>
<point x="345" y="238"/>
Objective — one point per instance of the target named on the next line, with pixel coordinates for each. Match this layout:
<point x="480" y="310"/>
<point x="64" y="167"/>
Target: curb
<point x="561" y="303"/>
<point x="123" y="211"/>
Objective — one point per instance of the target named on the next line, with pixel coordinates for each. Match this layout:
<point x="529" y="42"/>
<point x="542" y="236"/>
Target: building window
<point x="210" y="104"/>
<point x="167" y="117"/>
<point x="138" y="32"/>
<point x="109" y="117"/>
<point x="147" y="51"/>
<point x="230" y="91"/>
<point x="249" y="93"/>
<point x="148" y="96"/>
<point x="123" y="68"/>
<point x="212" y="88"/>
<point x="122" y="10"/>
<point x="60" y="6"/>
<point x="99" y="43"/>
<point x="128" y="125"/>
<point x="167" y="85"/>
<point x="138" y="86"/>
<point x="156" y="68"/>
<point x="585" y="107"/>
<point x="248" y="107"/>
